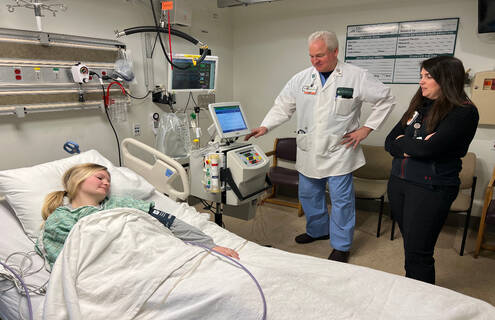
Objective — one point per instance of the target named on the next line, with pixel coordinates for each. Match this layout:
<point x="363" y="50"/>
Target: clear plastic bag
<point x="118" y="111"/>
<point x="173" y="138"/>
<point x="123" y="67"/>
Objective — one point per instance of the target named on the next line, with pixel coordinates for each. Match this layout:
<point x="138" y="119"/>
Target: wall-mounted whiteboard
<point x="393" y="51"/>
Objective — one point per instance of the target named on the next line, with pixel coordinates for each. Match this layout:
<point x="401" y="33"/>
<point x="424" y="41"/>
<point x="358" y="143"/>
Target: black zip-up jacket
<point x="436" y="161"/>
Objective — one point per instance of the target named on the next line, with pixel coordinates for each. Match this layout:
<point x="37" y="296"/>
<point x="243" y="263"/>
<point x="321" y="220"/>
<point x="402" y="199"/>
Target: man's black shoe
<point x="340" y="256"/>
<point x="305" y="238"/>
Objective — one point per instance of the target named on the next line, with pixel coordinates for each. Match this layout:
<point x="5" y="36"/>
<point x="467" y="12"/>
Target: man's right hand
<point x="256" y="132"/>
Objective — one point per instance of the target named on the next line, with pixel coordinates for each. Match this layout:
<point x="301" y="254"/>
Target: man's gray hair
<point x="328" y="37"/>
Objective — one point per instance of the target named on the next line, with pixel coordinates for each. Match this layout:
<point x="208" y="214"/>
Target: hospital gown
<point x="59" y="224"/>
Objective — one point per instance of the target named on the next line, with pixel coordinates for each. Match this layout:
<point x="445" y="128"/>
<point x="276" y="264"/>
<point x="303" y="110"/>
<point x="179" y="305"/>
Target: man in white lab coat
<point x="327" y="99"/>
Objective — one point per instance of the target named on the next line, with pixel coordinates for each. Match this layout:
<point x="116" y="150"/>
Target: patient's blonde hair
<point x="71" y="181"/>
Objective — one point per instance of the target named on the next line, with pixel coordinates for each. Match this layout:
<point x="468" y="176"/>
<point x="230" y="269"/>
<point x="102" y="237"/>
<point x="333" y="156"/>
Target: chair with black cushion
<point x="284" y="150"/>
<point x="370" y="181"/>
<point x="464" y="200"/>
<point x="487" y="217"/>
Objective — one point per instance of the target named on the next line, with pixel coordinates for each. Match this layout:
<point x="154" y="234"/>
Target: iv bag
<point x="173" y="138"/>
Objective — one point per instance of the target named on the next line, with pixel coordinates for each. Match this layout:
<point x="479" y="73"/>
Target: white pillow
<point x="25" y="188"/>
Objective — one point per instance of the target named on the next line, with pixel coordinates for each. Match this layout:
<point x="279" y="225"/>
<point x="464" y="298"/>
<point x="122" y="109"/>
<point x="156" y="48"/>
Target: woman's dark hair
<point x="449" y="73"/>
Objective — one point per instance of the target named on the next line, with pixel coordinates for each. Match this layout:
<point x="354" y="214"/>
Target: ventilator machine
<point x="233" y="175"/>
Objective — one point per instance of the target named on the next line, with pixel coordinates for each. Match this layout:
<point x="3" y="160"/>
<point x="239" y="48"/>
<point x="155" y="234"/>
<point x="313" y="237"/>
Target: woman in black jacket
<point x="427" y="145"/>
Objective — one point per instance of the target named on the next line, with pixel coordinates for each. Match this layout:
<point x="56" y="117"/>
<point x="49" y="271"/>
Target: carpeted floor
<point x="277" y="226"/>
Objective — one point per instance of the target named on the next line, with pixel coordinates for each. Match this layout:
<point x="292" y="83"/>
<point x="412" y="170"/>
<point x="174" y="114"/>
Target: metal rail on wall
<point x="35" y="71"/>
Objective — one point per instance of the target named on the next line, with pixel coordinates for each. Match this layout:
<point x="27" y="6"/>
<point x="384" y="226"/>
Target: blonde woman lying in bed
<point x="86" y="188"/>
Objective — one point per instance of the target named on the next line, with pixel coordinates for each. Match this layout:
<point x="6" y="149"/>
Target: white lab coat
<point x="323" y="119"/>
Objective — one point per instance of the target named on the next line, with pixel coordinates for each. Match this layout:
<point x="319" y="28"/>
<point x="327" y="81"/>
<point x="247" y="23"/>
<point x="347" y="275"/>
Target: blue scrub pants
<point x="340" y="225"/>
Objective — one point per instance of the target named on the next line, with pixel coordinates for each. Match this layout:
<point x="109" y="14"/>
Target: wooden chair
<point x="370" y="181"/>
<point x="487" y="217"/>
<point x="284" y="149"/>
<point x="464" y="200"/>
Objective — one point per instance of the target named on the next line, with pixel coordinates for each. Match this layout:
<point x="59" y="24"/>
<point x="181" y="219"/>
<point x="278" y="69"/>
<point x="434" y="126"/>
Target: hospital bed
<point x="144" y="273"/>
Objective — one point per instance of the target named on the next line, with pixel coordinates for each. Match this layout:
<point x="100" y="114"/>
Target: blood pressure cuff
<point x="165" y="218"/>
<point x="182" y="230"/>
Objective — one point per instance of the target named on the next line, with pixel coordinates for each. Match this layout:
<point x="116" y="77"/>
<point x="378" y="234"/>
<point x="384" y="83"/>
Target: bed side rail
<point x="161" y="174"/>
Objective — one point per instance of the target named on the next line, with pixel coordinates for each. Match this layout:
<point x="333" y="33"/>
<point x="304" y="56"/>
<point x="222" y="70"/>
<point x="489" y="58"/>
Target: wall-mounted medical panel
<point x="15" y="73"/>
<point x="36" y="75"/>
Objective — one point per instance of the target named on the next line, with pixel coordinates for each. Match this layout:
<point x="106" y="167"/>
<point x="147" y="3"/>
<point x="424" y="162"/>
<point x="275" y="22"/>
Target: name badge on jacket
<point x="309" y="90"/>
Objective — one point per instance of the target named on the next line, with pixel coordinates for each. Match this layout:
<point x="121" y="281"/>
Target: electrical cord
<point x="192" y="96"/>
<point x="211" y="138"/>
<point x="138" y="98"/>
<point x="207" y="205"/>
<point x="116" y="136"/>
<point x="102" y="86"/>
<point x="161" y="42"/>
<point x="140" y="29"/>
<point x="187" y="103"/>
<point x="106" y="100"/>
<point x="23" y="285"/>
<point x="108" y="90"/>
<point x="156" y="28"/>
<point x="24" y="271"/>
<point x="154" y="45"/>
<point x="125" y="90"/>
<point x="260" y="290"/>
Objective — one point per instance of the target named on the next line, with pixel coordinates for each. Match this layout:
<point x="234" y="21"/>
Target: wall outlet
<point x="137" y="129"/>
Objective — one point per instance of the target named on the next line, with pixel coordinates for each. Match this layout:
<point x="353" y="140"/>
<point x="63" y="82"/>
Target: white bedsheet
<point x="115" y="260"/>
<point x="122" y="264"/>
<point x="111" y="264"/>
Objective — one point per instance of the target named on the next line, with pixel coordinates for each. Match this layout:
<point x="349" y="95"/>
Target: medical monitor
<point x="486" y="16"/>
<point x="229" y="119"/>
<point x="199" y="78"/>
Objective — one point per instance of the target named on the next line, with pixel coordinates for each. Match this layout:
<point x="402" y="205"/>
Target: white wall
<point x="260" y="48"/>
<point x="39" y="137"/>
<point x="270" y="46"/>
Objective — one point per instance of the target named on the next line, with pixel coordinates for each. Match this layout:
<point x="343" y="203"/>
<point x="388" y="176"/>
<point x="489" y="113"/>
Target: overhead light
<point x="235" y="3"/>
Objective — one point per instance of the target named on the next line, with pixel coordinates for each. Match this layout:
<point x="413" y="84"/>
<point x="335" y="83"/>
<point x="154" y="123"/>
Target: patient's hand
<point x="226" y="251"/>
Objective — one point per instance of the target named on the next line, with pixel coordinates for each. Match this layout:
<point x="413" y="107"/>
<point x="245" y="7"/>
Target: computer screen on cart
<point x="229" y="119"/>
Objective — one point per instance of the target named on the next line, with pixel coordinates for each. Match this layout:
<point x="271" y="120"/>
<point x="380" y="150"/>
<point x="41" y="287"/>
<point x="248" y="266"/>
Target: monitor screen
<point x="199" y="78"/>
<point x="229" y="119"/>
<point x="486" y="16"/>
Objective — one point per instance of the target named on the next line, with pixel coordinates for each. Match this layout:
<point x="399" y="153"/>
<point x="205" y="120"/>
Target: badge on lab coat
<point x="309" y="90"/>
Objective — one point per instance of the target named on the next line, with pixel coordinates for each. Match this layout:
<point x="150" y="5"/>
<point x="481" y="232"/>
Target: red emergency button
<point x="103" y="73"/>
<point x="18" y="77"/>
<point x="17" y="71"/>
